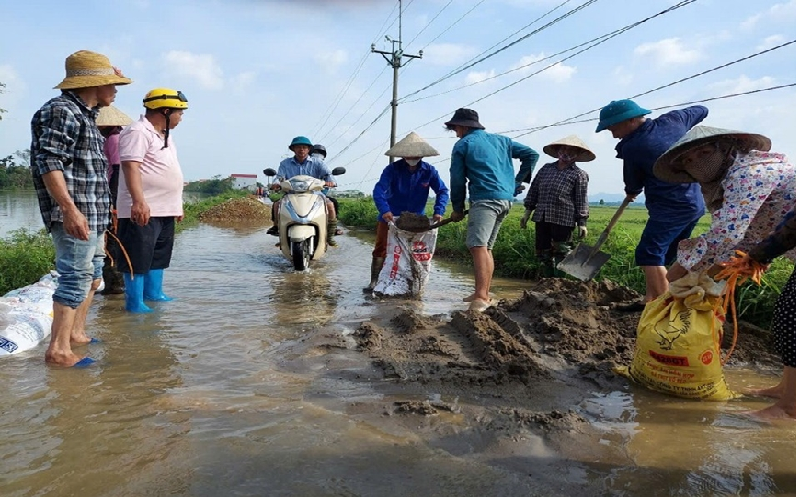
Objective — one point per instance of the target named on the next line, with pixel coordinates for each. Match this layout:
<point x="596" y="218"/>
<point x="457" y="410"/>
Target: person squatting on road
<point x="484" y="160"/>
<point x="750" y="192"/>
<point x="404" y="187"/>
<point x="674" y="208"/>
<point x="69" y="172"/>
<point x="150" y="197"/>
<point x="318" y="151"/>
<point x="303" y="163"/>
<point x="558" y="200"/>
<point x="110" y="122"/>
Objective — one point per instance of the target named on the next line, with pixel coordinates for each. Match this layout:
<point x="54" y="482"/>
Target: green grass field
<point x="514" y="251"/>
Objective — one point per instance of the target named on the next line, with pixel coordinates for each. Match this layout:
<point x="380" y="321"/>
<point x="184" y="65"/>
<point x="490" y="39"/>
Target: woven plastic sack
<point x="678" y="341"/>
<point x="26" y="316"/>
<point x="408" y="263"/>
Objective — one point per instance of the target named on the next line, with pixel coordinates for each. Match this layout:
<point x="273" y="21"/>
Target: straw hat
<point x="412" y="146"/>
<point x="112" y="116"/>
<point x="85" y="69"/>
<point x="667" y="165"/>
<point x="585" y="154"/>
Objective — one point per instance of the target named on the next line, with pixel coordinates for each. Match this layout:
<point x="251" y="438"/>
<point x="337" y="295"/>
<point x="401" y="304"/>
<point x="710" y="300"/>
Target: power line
<point x="457" y="21"/>
<point x="687" y="78"/>
<point x="429" y="22"/>
<point x="612" y="35"/>
<point x="333" y="106"/>
<point x="352" y="106"/>
<point x="682" y="104"/>
<point x="506" y="47"/>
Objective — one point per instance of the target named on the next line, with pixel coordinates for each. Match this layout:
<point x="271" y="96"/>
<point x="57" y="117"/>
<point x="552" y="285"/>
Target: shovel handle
<point x="445" y="221"/>
<point x="611" y="223"/>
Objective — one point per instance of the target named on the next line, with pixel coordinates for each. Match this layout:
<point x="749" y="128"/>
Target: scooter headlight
<point x="299" y="186"/>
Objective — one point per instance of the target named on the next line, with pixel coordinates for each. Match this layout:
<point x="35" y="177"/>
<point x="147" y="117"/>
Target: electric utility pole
<point x="395" y="60"/>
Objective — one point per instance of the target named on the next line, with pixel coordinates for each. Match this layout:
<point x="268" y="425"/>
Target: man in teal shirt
<point x="485" y="161"/>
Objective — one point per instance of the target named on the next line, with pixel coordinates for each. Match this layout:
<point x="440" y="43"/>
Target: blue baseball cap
<point x="618" y="111"/>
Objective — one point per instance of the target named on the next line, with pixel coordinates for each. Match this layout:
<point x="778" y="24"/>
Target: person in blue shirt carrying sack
<point x="404" y="187"/>
<point x="484" y="160"/>
<point x="674" y="208"/>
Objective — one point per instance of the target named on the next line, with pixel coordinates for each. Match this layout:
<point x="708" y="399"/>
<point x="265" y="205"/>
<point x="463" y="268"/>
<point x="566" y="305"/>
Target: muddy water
<point x="232" y="389"/>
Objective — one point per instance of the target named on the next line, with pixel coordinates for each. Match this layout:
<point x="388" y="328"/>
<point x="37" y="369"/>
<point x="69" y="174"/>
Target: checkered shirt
<point x="65" y="138"/>
<point x="559" y="196"/>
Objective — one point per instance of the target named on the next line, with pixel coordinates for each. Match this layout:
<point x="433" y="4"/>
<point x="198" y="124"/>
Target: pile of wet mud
<point x="236" y="210"/>
<point x="409" y="221"/>
<point x="557" y="326"/>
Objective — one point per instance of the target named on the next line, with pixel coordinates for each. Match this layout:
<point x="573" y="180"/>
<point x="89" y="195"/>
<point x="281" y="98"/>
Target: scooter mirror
<point x="338" y="171"/>
<point x="269" y="172"/>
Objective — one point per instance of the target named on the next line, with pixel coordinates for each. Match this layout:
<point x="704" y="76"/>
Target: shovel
<point x="584" y="262"/>
<point x="431" y="226"/>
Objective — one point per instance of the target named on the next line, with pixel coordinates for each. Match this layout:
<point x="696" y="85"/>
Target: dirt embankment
<point x="247" y="209"/>
<point x="561" y="331"/>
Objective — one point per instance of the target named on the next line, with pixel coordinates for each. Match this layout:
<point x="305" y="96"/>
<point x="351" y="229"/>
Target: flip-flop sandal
<point x="84" y="362"/>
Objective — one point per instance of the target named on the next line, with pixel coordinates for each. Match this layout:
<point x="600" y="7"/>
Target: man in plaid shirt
<point x="558" y="200"/>
<point x="70" y="174"/>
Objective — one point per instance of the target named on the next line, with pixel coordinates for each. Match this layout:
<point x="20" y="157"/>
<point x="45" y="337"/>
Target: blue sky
<point x="258" y="73"/>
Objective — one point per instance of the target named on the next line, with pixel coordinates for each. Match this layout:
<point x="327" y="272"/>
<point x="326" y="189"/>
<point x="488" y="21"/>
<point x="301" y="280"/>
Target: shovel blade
<point x="582" y="264"/>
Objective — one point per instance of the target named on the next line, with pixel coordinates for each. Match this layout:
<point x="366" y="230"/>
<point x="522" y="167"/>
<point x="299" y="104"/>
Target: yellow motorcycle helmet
<point x="165" y="98"/>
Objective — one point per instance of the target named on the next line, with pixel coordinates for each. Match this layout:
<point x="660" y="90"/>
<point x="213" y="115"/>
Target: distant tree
<point x="602" y="202"/>
<point x="15" y="171"/>
<point x="214" y="186"/>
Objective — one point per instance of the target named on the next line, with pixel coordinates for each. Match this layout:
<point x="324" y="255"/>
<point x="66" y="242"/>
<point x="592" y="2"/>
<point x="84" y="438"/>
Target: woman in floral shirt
<point x="747" y="189"/>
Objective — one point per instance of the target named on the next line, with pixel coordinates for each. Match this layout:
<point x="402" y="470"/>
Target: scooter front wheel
<point x="301" y="254"/>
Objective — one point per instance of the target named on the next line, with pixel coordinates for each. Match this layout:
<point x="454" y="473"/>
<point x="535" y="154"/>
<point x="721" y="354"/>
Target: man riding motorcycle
<point x="302" y="163"/>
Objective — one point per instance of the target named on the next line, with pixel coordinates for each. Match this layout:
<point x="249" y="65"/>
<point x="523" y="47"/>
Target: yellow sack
<point x="678" y="341"/>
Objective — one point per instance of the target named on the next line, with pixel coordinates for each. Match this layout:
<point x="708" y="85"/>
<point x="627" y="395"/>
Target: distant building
<point x="244" y="181"/>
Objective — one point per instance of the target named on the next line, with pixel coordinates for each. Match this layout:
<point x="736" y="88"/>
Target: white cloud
<point x="622" y="76"/>
<point x="777" y="12"/>
<point x="331" y="61"/>
<point x="202" y="67"/>
<point x="668" y="52"/>
<point x="477" y="77"/>
<point x="742" y="84"/>
<point x="771" y="41"/>
<point x="558" y="72"/>
<point x="15" y="88"/>
<point x="447" y="54"/>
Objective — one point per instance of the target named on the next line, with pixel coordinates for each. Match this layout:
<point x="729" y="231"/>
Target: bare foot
<point x="774" y="392"/>
<point x="64" y="359"/>
<point x="471" y="297"/>
<point x="480" y="305"/>
<point x="79" y="338"/>
<point x="773" y="413"/>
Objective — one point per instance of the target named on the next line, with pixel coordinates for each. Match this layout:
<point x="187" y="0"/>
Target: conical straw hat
<point x="412" y="146"/>
<point x="666" y="166"/>
<point x="112" y="116"/>
<point x="585" y="155"/>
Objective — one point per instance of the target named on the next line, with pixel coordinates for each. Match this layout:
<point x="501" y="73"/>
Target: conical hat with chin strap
<point x="412" y="146"/>
<point x="585" y="155"/>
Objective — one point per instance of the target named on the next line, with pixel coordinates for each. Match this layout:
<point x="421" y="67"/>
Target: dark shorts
<point x="658" y="244"/>
<point x="148" y="247"/>
<point x="783" y="325"/>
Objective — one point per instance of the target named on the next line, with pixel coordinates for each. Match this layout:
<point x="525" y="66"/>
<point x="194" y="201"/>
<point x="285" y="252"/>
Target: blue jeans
<point x="484" y="220"/>
<point x="78" y="263"/>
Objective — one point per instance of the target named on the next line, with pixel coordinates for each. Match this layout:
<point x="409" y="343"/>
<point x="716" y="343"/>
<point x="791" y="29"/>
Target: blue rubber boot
<point x="153" y="287"/>
<point x="134" y="294"/>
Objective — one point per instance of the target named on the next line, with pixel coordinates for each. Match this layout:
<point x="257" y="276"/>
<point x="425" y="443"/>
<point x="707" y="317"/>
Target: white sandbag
<point x="408" y="262"/>
<point x="26" y="316"/>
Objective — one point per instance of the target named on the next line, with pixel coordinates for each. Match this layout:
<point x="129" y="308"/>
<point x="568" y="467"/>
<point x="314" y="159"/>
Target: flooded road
<point x="250" y="383"/>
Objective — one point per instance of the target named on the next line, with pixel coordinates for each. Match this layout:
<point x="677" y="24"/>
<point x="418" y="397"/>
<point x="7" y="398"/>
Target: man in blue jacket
<point x="674" y="208"/>
<point x="403" y="187"/>
<point x="485" y="161"/>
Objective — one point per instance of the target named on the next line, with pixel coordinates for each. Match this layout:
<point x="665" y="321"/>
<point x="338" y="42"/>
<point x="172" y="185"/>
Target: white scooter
<point x="302" y="218"/>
